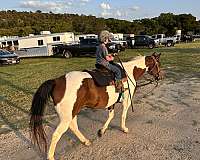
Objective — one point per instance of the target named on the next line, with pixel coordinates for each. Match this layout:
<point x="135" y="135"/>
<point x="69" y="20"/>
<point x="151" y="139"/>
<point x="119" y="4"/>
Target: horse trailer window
<point x="4" y="43"/>
<point x="16" y="43"/>
<point x="40" y="42"/>
<point x="9" y="43"/>
<point x="56" y="38"/>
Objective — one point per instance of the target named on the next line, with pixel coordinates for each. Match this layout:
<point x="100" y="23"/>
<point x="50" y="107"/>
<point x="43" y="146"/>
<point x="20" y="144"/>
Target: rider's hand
<point x="109" y="57"/>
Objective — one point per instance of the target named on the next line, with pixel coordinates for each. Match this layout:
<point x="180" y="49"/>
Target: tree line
<point x="25" y="23"/>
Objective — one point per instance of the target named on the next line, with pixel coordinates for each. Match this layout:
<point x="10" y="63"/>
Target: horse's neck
<point x="135" y="68"/>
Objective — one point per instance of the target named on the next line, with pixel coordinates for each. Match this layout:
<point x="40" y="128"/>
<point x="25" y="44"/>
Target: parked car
<point x="87" y="46"/>
<point x="7" y="57"/>
<point x="143" y="41"/>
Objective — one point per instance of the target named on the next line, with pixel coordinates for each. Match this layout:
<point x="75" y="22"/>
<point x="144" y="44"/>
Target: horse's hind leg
<point x="110" y="117"/>
<point x="65" y="117"/>
<point x="74" y="127"/>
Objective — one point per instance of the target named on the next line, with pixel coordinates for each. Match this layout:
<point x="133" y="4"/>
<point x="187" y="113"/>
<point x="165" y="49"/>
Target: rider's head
<point x="105" y="36"/>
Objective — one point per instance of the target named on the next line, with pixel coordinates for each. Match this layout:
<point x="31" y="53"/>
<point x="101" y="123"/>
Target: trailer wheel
<point x="67" y="54"/>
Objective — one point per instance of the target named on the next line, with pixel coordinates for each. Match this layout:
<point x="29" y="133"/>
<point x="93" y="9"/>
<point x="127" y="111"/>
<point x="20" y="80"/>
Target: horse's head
<point x="153" y="64"/>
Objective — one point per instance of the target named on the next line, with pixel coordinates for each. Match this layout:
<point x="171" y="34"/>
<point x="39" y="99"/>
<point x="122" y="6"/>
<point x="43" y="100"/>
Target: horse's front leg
<point x="110" y="117"/>
<point x="126" y="104"/>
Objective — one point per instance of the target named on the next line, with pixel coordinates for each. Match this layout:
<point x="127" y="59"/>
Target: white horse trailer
<point x="37" y="45"/>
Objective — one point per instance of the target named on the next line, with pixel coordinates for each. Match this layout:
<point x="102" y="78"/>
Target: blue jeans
<point x="116" y="71"/>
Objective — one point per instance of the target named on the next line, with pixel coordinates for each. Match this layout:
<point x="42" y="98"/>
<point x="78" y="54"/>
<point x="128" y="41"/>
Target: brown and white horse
<point x="76" y="90"/>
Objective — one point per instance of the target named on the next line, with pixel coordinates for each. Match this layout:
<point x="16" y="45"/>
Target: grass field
<point x="19" y="82"/>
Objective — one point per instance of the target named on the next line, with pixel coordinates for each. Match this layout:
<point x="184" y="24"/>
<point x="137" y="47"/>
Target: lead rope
<point x="127" y="82"/>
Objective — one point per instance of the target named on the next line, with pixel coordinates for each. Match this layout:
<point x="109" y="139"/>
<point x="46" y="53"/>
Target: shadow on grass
<point x="6" y="82"/>
<point x="7" y="74"/>
<point x="15" y="106"/>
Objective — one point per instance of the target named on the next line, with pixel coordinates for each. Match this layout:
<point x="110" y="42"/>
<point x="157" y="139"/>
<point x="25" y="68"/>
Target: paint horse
<point x="76" y="90"/>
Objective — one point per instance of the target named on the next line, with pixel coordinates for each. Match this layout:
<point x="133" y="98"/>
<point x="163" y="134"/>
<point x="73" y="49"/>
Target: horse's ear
<point x="158" y="55"/>
<point x="154" y="54"/>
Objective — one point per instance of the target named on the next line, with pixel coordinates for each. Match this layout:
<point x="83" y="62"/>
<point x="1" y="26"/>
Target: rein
<point x="149" y="82"/>
<point x="127" y="82"/>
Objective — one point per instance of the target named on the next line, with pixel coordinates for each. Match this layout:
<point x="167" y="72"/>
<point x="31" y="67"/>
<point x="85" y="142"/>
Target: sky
<point x="119" y="9"/>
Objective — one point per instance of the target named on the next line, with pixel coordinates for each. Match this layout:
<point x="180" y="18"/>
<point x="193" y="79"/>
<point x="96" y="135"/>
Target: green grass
<point x="19" y="82"/>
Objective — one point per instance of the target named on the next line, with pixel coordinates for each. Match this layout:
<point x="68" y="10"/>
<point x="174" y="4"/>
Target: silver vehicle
<point x="7" y="57"/>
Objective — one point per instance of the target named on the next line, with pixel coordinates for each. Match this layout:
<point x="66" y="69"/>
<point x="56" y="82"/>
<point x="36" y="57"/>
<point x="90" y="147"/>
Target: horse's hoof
<point x="125" y="130"/>
<point x="87" y="143"/>
<point x="100" y="133"/>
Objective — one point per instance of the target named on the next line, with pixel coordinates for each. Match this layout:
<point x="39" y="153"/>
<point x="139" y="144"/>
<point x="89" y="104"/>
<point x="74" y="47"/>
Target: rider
<point x="104" y="58"/>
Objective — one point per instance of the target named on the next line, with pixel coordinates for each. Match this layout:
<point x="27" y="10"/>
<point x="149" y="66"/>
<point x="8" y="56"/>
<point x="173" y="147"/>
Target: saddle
<point x="103" y="76"/>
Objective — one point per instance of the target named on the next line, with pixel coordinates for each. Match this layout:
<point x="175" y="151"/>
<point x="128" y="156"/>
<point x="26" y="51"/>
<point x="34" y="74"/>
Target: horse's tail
<point x="40" y="99"/>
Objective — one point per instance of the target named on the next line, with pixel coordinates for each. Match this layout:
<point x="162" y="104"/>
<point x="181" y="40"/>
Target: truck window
<point x="81" y="38"/>
<point x="93" y="41"/>
<point x="84" y="41"/>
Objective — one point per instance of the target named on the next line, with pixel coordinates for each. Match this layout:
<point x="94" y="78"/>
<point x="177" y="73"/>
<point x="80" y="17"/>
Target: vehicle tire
<point x="151" y="46"/>
<point x="18" y="61"/>
<point x="77" y="55"/>
<point x="67" y="54"/>
<point x="169" y="44"/>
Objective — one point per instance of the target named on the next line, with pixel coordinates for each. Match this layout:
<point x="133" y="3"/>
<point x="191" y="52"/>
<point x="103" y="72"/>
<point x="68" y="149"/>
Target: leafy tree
<point x="24" y="23"/>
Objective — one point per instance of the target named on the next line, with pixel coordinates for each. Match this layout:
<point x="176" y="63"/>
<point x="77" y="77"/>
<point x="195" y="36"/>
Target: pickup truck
<point x="141" y="41"/>
<point x="86" y="46"/>
<point x="167" y="41"/>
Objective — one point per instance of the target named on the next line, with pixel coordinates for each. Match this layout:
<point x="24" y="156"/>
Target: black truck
<point x="139" y="41"/>
<point x="86" y="46"/>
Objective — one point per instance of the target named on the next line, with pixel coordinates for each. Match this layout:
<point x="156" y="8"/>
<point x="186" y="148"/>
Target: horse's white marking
<point x="112" y="95"/>
<point x="73" y="83"/>
<point x="110" y="117"/>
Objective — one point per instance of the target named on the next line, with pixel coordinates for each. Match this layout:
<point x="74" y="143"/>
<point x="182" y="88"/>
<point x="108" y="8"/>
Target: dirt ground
<point x="165" y="125"/>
